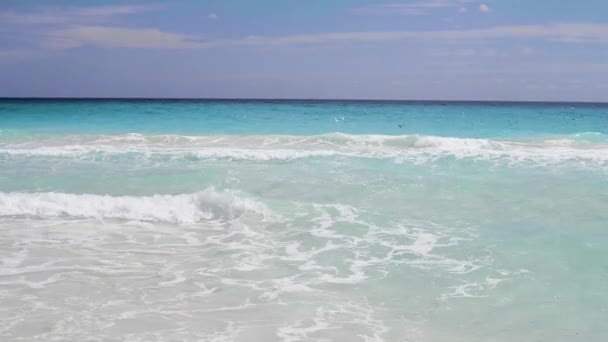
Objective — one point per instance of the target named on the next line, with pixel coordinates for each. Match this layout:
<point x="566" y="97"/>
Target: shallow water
<point x="300" y="221"/>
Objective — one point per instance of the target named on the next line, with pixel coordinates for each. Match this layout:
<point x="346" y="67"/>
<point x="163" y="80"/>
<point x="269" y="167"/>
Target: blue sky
<point x="394" y="49"/>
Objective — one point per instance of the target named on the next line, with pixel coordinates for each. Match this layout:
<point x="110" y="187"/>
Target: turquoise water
<point x="303" y="221"/>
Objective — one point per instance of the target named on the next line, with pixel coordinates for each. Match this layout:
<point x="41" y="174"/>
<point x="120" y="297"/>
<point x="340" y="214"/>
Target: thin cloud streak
<point x="410" y="8"/>
<point x="117" y="37"/>
<point x="120" y="37"/>
<point x="484" y="8"/>
<point x="73" y="15"/>
<point x="560" y="32"/>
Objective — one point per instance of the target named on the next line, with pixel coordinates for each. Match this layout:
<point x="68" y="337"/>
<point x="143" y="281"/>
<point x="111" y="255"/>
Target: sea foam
<point x="586" y="148"/>
<point x="184" y="208"/>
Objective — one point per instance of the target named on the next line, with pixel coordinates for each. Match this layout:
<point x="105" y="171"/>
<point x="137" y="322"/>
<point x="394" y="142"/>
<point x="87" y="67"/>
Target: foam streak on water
<point x="415" y="148"/>
<point x="252" y="221"/>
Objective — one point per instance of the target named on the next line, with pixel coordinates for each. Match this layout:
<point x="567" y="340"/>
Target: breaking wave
<point x="589" y="148"/>
<point x="184" y="208"/>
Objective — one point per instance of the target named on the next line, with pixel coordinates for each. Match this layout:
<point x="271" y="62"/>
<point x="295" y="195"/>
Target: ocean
<point x="252" y="220"/>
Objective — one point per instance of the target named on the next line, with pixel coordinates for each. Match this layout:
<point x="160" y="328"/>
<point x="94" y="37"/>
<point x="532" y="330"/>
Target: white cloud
<point x="410" y="8"/>
<point x="453" y="52"/>
<point x="118" y="37"/>
<point x="467" y="52"/>
<point x="484" y="8"/>
<point x="212" y="16"/>
<point x="113" y="10"/>
<point x="72" y="15"/>
<point x="122" y="37"/>
<point x="560" y="32"/>
<point x="463" y="10"/>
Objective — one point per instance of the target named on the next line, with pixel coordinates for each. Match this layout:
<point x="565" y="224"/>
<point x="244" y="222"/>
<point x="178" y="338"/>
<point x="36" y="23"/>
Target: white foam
<point x="285" y="147"/>
<point x="202" y="153"/>
<point x="285" y="285"/>
<point x="184" y="208"/>
<point x="424" y="244"/>
<point x="13" y="261"/>
<point x="300" y="332"/>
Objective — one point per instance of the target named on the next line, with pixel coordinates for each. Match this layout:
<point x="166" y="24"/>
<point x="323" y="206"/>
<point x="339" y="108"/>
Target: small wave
<point x="184" y="208"/>
<point x="591" y="137"/>
<point x="200" y="154"/>
<point x="588" y="148"/>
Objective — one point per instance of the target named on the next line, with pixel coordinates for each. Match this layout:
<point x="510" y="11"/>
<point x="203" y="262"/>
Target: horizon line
<point x="262" y="99"/>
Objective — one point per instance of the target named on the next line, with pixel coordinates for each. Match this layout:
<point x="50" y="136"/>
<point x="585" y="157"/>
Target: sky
<point x="539" y="50"/>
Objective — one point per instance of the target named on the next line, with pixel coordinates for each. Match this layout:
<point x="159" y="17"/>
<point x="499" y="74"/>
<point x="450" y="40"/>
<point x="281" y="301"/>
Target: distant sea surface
<point x="157" y="220"/>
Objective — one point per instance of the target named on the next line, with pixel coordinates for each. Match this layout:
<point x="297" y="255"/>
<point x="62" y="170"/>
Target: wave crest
<point x="589" y="148"/>
<point x="184" y="208"/>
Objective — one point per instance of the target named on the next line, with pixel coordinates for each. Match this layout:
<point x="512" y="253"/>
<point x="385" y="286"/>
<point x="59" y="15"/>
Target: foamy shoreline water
<point x="253" y="221"/>
<point x="575" y="148"/>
